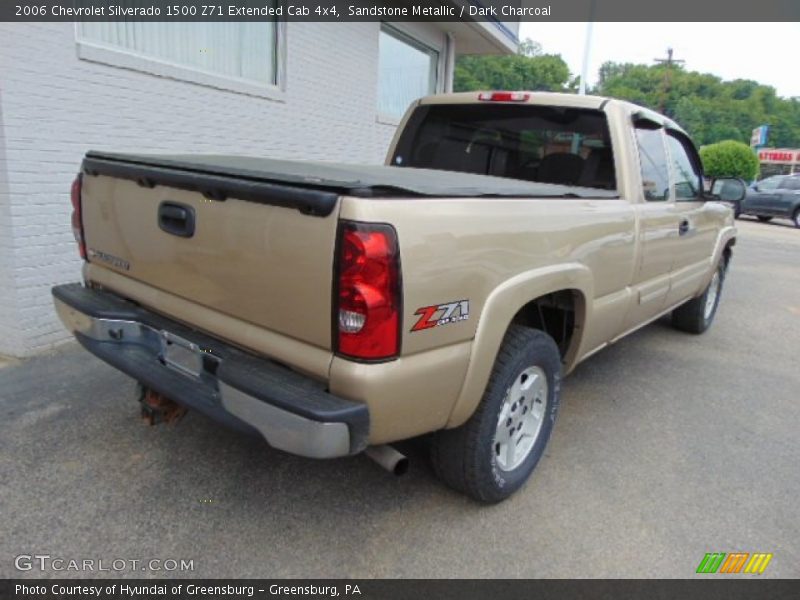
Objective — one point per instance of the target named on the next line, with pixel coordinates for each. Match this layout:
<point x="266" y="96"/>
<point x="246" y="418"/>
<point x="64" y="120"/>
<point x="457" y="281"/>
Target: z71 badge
<point x="441" y="314"/>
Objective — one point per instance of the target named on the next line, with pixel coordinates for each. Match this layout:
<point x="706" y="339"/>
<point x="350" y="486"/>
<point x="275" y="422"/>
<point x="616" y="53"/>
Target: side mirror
<point x="728" y="189"/>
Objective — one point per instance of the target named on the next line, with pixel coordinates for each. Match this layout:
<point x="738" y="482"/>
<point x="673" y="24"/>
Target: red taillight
<point x="503" y="96"/>
<point x="77" y="221"/>
<point x="367" y="297"/>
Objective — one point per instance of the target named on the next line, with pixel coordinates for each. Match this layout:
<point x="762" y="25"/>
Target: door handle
<point x="684" y="227"/>
<point x="176" y="219"/>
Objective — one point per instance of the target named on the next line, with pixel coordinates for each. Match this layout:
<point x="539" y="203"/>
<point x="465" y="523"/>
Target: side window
<point x="793" y="183"/>
<point x="686" y="172"/>
<point x="769" y="184"/>
<point x="653" y="159"/>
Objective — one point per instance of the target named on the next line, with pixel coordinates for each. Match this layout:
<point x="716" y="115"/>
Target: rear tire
<point x="493" y="454"/>
<point x="796" y="218"/>
<point x="764" y="219"/>
<point x="696" y="315"/>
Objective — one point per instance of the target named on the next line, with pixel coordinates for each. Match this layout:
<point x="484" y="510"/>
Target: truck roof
<point x="547" y="98"/>
<point x="555" y="99"/>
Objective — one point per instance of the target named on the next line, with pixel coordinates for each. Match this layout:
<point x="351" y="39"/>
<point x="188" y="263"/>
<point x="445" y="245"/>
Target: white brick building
<point x="324" y="91"/>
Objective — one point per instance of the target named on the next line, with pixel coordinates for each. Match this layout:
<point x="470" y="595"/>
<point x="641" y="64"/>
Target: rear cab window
<point x="547" y="144"/>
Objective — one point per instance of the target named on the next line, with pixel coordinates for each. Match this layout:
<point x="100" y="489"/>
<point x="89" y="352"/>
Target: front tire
<point x="696" y="315"/>
<point x="493" y="454"/>
<point x="796" y="218"/>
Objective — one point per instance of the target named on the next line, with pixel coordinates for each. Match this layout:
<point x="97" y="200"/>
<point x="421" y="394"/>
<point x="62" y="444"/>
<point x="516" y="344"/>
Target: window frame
<point x="402" y="35"/>
<point x="661" y="130"/>
<point x="124" y="58"/>
<point x="694" y="159"/>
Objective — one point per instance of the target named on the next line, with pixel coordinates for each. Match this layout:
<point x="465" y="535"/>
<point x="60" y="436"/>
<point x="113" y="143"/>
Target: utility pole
<point x="587" y="45"/>
<point x="667" y="62"/>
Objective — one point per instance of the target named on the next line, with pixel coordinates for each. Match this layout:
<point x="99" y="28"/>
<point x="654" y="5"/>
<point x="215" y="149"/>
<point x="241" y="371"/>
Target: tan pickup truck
<point x="336" y="308"/>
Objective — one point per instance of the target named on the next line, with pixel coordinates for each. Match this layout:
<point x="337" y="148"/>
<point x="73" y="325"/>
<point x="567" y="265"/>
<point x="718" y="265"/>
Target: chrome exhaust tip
<point x="388" y="458"/>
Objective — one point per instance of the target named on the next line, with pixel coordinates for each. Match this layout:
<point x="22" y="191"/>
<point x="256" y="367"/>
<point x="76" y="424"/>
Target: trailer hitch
<point x="157" y="408"/>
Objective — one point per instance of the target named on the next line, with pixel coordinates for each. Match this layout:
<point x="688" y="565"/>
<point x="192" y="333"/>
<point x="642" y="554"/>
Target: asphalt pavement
<point x="668" y="446"/>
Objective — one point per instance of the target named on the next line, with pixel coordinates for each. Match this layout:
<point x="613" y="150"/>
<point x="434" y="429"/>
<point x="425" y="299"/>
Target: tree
<point x="691" y="117"/>
<point x="530" y="69"/>
<point x="729" y="159"/>
<point x="529" y="48"/>
<point x="710" y="109"/>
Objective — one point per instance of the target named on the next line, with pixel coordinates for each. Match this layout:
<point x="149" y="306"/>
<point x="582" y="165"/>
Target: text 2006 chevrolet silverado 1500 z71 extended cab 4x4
<point x="332" y="308"/>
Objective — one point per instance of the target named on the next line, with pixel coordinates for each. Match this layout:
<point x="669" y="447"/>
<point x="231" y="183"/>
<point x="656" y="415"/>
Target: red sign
<point x="779" y="156"/>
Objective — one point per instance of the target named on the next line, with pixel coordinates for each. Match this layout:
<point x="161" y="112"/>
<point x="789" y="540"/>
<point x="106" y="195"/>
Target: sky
<point x="764" y="52"/>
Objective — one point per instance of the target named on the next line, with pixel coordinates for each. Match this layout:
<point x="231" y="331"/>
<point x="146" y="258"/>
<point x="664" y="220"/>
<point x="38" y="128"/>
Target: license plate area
<point x="181" y="354"/>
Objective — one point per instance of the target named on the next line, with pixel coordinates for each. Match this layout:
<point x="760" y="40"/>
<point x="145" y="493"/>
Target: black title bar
<point x="702" y="587"/>
<point x="401" y="10"/>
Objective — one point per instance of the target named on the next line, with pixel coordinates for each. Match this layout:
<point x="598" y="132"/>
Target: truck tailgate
<point x="259" y="252"/>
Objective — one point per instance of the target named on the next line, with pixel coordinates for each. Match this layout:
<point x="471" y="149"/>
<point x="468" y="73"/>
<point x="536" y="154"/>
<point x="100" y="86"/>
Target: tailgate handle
<point x="176" y="219"/>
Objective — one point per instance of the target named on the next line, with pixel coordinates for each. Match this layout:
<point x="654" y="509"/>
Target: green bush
<point x="729" y="159"/>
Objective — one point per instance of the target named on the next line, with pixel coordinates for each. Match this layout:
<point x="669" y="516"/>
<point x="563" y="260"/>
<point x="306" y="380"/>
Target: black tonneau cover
<point x="253" y="178"/>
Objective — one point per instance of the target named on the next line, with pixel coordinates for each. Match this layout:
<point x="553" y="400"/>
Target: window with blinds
<point x="407" y="71"/>
<point x="239" y="50"/>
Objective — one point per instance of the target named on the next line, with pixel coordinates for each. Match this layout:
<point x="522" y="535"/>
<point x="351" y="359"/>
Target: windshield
<point x="534" y="143"/>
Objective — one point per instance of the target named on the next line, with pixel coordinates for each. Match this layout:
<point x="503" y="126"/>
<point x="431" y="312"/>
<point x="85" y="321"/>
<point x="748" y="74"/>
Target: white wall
<point x="8" y="299"/>
<point x="54" y="107"/>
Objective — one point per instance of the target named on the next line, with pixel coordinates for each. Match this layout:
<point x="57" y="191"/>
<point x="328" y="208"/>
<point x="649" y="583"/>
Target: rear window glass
<point x="534" y="143"/>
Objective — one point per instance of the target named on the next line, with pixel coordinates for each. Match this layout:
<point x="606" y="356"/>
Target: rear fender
<point x="500" y="308"/>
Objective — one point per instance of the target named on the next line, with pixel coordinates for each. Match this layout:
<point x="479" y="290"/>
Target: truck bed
<point x="212" y="234"/>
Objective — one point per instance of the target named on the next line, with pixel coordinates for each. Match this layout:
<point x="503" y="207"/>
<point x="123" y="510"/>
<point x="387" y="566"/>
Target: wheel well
<point x="727" y="253"/>
<point x="558" y="314"/>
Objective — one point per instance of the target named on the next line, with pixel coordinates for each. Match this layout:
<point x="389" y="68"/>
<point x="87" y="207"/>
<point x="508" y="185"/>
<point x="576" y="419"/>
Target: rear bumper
<point x="292" y="412"/>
